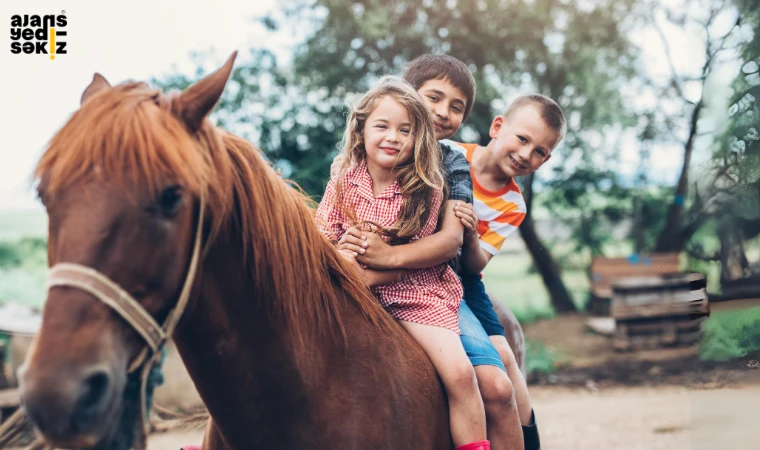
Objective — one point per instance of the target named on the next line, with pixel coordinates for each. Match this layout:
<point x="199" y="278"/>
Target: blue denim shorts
<point x="475" y="341"/>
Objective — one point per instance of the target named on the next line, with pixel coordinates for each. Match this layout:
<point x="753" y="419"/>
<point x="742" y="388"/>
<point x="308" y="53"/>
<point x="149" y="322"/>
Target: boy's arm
<point x="474" y="258"/>
<point x="477" y="252"/>
<point x="372" y="277"/>
<point x="429" y="251"/>
<point x="437" y="248"/>
<point x="379" y="277"/>
<point x="473" y="261"/>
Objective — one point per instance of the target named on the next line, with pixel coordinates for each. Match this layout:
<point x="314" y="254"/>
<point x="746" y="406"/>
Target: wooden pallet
<point x="657" y="311"/>
<point x="606" y="271"/>
<point x="668" y="295"/>
<point x="642" y="334"/>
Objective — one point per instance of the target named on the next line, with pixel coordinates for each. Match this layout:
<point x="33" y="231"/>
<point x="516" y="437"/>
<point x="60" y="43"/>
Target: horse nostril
<point x="94" y="391"/>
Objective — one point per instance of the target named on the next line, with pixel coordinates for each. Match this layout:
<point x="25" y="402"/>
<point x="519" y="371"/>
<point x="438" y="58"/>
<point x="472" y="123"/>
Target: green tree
<point x="736" y="161"/>
<point x="683" y="220"/>
<point x="576" y="54"/>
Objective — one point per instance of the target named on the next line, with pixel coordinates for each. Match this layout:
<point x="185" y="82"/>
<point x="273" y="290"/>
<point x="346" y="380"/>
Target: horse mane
<point x="130" y="134"/>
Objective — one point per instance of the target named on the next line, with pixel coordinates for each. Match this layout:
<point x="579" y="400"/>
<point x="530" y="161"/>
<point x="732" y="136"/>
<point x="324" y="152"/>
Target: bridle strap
<point x="113" y="295"/>
<point x="110" y="293"/>
<point x="170" y="324"/>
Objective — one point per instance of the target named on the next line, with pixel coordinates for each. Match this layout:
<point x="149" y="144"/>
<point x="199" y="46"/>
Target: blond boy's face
<point x="522" y="142"/>
<point x="446" y="103"/>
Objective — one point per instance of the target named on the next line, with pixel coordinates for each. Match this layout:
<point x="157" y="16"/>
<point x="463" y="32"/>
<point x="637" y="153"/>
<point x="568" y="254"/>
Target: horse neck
<point x="243" y="365"/>
<point x="265" y="389"/>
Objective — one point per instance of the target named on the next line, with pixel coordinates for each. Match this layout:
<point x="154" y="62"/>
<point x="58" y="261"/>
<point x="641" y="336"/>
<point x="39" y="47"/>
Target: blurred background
<point x="661" y="154"/>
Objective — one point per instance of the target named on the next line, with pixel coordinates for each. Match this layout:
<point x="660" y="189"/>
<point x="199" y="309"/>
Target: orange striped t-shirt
<point x="499" y="212"/>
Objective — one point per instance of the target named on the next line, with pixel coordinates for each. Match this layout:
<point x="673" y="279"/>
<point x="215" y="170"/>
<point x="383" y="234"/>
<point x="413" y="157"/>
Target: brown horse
<point x="287" y="347"/>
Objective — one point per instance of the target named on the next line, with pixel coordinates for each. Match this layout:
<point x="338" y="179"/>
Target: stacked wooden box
<point x="605" y="271"/>
<point x="658" y="310"/>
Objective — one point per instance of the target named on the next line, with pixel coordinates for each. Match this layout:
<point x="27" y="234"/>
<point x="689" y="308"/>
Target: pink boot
<point x="191" y="447"/>
<point x="480" y="445"/>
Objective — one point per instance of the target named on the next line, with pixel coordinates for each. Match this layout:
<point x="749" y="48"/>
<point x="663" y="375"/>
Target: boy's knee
<point x="505" y="353"/>
<point x="496" y="389"/>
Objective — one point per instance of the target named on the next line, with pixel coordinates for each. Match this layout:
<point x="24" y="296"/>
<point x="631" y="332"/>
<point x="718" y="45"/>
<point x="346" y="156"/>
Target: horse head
<point x="122" y="182"/>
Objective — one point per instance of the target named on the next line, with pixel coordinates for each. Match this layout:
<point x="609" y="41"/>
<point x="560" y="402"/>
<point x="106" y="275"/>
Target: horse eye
<point x="169" y="199"/>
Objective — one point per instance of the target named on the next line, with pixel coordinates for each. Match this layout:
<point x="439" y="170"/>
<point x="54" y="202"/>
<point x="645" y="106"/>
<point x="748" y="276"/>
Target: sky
<point x="141" y="39"/>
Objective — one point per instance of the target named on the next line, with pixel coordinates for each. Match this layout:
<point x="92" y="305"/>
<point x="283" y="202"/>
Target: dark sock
<point x="530" y="434"/>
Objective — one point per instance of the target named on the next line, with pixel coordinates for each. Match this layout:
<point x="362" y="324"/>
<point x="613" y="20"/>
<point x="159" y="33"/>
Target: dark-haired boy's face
<point x="522" y="142"/>
<point x="446" y="103"/>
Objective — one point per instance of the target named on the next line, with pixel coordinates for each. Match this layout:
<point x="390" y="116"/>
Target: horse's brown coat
<point x="286" y="346"/>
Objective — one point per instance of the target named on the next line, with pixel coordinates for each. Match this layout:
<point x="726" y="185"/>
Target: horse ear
<point x="97" y="84"/>
<point x="197" y="101"/>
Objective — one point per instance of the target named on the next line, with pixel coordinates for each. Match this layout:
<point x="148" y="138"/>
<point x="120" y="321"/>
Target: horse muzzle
<point x="72" y="410"/>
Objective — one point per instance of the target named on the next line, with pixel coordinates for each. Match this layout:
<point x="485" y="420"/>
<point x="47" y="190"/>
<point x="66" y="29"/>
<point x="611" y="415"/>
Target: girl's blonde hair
<point x="419" y="177"/>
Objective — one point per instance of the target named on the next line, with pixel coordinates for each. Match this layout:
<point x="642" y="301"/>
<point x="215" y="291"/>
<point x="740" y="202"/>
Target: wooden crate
<point x="658" y="311"/>
<point x="605" y="271"/>
<point x="666" y="295"/>
<point x="657" y="332"/>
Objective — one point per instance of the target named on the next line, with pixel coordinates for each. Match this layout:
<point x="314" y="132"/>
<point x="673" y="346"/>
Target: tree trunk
<point x="733" y="260"/>
<point x="560" y="298"/>
<point x="669" y="240"/>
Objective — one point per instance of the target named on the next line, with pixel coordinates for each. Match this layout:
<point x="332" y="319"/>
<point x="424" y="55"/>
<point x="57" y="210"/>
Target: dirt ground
<point x="576" y="347"/>
<point x="646" y="400"/>
<point x="648" y="418"/>
<point x="601" y="399"/>
<point x="583" y="358"/>
<point x="630" y="418"/>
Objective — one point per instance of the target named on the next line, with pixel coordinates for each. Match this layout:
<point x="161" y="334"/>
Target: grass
<point x="23" y="268"/>
<point x="539" y="359"/>
<point x="22" y="278"/>
<point x="23" y="286"/>
<point x="509" y="278"/>
<point x="730" y="334"/>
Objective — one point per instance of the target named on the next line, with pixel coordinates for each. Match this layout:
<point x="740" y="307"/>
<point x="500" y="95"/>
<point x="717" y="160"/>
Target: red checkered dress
<point x="427" y="296"/>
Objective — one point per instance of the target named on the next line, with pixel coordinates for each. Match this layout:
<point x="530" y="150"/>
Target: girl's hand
<point x="468" y="217"/>
<point x="353" y="241"/>
<point x="377" y="254"/>
<point x="349" y="256"/>
<point x="369" y="248"/>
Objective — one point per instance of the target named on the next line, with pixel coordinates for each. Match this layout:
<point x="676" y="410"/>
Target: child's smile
<point x="388" y="138"/>
<point x="522" y="142"/>
<point x="516" y="165"/>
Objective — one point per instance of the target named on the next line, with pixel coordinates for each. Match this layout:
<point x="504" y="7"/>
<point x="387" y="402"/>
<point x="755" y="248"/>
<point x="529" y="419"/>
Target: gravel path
<point x="635" y="418"/>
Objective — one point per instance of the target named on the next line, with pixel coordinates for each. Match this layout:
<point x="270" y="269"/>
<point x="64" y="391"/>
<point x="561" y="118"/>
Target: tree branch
<point x="726" y="36"/>
<point x="675" y="79"/>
